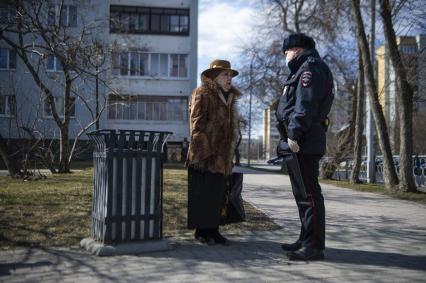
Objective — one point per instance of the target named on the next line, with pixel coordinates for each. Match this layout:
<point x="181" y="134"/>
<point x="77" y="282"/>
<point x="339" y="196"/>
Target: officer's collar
<point x="297" y="62"/>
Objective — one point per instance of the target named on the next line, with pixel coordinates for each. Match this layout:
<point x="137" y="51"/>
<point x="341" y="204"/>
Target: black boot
<point x="203" y="236"/>
<point x="306" y="254"/>
<point x="292" y="247"/>
<point x="218" y="238"/>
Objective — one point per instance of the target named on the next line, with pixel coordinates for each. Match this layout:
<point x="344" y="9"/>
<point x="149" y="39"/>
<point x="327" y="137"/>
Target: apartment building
<point x="413" y="53"/>
<point x="149" y="70"/>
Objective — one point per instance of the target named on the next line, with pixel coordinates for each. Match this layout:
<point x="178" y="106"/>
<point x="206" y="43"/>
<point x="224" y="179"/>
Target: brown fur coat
<point x="214" y="127"/>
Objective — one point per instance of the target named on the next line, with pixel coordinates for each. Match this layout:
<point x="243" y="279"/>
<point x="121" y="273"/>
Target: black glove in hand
<point x="283" y="148"/>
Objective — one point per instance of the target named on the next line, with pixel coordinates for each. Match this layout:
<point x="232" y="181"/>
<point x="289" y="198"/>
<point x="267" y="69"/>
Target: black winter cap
<point x="298" y="40"/>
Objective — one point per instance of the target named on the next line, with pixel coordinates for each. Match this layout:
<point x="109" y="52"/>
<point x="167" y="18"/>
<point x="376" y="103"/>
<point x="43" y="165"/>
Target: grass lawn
<point x="56" y="211"/>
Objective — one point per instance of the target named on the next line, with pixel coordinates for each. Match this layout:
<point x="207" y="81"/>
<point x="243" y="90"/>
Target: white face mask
<point x="290" y="55"/>
<point x="287" y="61"/>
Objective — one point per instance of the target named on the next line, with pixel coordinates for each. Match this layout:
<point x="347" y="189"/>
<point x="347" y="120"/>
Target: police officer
<point x="302" y="111"/>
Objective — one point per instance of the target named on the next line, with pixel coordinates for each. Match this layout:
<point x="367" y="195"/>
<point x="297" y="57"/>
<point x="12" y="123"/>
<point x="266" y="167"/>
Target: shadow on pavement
<point x="5" y="268"/>
<point x="385" y="259"/>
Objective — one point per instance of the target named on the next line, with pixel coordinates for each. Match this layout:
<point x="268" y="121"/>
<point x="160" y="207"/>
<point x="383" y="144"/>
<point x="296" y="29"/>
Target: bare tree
<point x="10" y="162"/>
<point x="356" y="167"/>
<point x="389" y="173"/>
<point x="39" y="32"/>
<point x="405" y="104"/>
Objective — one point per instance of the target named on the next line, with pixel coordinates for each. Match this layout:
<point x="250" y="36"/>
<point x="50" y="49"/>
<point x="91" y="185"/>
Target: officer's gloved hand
<point x="293" y="145"/>
<point x="282" y="148"/>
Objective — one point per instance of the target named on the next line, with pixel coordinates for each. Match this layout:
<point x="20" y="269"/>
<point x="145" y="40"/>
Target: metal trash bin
<point x="127" y="185"/>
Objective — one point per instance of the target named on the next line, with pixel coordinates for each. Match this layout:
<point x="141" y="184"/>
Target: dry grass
<point x="53" y="211"/>
<point x="57" y="211"/>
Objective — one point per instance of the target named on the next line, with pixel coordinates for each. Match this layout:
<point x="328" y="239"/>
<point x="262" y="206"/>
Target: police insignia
<point x="306" y="78"/>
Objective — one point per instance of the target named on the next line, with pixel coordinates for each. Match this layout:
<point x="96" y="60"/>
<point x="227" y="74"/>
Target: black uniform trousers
<point x="311" y="209"/>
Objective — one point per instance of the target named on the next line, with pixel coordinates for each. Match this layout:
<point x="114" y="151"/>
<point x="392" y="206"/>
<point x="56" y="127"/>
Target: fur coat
<point x="214" y="127"/>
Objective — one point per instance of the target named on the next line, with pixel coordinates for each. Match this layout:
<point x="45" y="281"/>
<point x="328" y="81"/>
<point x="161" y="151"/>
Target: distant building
<point x="413" y="52"/>
<point x="271" y="135"/>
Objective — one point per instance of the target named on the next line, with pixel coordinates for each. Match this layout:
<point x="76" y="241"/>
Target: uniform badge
<point x="306" y="79"/>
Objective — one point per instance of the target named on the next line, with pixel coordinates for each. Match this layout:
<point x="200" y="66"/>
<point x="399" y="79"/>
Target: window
<point x="51" y="16"/>
<point x="152" y="108"/>
<point x="59" y="105"/>
<point x="7" y="105"/>
<point x="408" y="49"/>
<point x="53" y="64"/>
<point x="7" y="14"/>
<point x="68" y="16"/>
<point x="150" y="64"/>
<point x="178" y="66"/>
<point x="128" y="19"/>
<point x="143" y="65"/>
<point x="7" y="59"/>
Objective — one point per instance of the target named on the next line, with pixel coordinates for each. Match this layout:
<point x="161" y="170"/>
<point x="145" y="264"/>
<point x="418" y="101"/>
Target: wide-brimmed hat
<point x="219" y="65"/>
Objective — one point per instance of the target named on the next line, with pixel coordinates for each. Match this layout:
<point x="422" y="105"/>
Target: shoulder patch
<point x="306" y="78"/>
<point x="311" y="59"/>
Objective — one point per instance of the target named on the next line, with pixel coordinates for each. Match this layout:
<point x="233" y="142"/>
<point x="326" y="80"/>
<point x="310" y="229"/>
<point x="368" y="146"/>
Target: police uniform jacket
<point x="306" y="102"/>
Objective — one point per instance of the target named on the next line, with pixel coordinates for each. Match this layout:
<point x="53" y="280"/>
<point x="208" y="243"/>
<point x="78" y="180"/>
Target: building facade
<point x="148" y="70"/>
<point x="412" y="49"/>
<point x="271" y="135"/>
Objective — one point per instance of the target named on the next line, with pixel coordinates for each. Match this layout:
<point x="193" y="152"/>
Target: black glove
<point x="282" y="148"/>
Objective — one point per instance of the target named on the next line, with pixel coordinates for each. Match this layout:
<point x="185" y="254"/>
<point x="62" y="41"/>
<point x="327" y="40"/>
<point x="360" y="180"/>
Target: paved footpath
<point x="370" y="238"/>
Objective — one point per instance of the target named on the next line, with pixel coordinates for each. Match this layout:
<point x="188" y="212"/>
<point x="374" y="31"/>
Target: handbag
<point x="233" y="210"/>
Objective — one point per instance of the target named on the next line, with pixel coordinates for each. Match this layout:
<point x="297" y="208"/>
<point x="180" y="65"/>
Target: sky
<point x="223" y="27"/>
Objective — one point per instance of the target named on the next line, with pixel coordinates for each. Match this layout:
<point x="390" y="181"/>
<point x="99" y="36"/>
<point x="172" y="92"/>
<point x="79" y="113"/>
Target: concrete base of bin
<point x="100" y="249"/>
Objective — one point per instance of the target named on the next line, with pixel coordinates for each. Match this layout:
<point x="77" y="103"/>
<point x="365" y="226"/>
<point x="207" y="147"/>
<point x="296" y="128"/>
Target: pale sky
<point x="223" y="27"/>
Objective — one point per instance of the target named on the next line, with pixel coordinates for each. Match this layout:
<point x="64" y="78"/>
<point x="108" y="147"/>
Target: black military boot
<point x="292" y="247"/>
<point x="306" y="254"/>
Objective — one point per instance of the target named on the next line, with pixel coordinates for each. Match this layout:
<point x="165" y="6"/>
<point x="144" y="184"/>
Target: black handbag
<point x="233" y="210"/>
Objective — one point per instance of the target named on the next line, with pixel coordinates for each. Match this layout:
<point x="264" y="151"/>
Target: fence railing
<point x="419" y="170"/>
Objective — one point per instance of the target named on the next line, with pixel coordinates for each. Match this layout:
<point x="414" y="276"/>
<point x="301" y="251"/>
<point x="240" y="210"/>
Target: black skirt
<point x="206" y="197"/>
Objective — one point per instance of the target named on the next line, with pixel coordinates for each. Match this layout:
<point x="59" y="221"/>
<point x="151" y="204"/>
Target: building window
<point x="128" y="19"/>
<point x="7" y="14"/>
<point x="59" y="105"/>
<point x="7" y="105"/>
<point x="408" y="49"/>
<point x="67" y="15"/>
<point x="178" y="66"/>
<point x="150" y="64"/>
<point x="7" y="59"/>
<point x="151" y="108"/>
<point x="53" y="63"/>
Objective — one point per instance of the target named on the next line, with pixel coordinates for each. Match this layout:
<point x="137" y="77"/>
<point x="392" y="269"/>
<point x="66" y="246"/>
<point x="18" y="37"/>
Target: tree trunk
<point x="405" y="105"/>
<point x="389" y="173"/>
<point x="11" y="164"/>
<point x="359" y="127"/>
<point x="64" y="165"/>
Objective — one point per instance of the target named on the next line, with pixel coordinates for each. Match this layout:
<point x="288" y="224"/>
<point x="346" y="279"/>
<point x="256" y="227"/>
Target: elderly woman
<point x="214" y="134"/>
